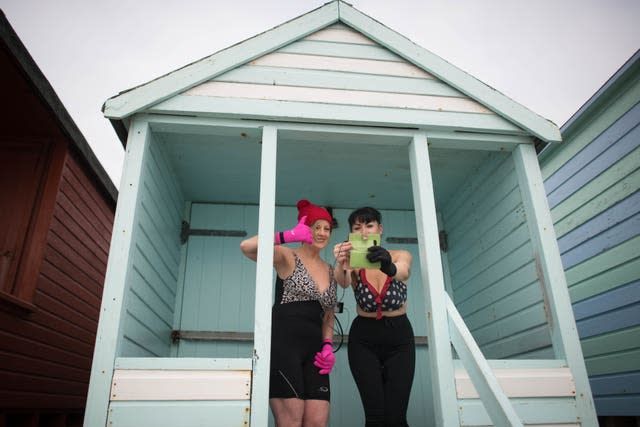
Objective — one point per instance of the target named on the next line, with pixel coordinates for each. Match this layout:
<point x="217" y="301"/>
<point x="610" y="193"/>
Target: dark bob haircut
<point x="365" y="215"/>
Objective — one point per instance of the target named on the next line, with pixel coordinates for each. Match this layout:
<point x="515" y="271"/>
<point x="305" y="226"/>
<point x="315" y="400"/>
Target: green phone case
<point x="359" y="248"/>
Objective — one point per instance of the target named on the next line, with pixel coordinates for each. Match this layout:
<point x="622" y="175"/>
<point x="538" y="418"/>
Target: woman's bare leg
<point x="316" y="413"/>
<point x="287" y="412"/>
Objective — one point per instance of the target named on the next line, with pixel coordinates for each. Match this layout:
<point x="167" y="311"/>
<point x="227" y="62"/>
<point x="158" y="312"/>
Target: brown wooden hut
<point x="56" y="214"/>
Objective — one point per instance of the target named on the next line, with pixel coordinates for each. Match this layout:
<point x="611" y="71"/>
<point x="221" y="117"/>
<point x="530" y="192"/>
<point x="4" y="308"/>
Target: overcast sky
<point x="549" y="55"/>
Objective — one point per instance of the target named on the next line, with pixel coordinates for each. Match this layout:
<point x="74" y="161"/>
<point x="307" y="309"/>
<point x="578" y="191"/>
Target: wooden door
<point x="21" y="169"/>
<point x="218" y="288"/>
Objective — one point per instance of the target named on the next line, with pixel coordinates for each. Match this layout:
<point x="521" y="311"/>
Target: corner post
<point x="108" y="337"/>
<point x="264" y="279"/>
<point x="564" y="334"/>
<point x="444" y="393"/>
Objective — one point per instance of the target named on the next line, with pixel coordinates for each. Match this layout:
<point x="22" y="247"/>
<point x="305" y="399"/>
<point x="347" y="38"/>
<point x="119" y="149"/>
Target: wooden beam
<point x="264" y="109"/>
<point x="493" y="397"/>
<point x="169" y="384"/>
<point x="184" y="363"/>
<point x="264" y="279"/>
<point x="540" y="382"/>
<point x="441" y="360"/>
<point x="118" y="267"/>
<point x="230" y="336"/>
<point x="564" y="334"/>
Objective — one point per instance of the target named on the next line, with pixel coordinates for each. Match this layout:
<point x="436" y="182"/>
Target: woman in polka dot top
<point x="381" y="341"/>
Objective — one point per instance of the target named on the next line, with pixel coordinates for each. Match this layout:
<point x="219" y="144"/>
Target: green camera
<point x="359" y="247"/>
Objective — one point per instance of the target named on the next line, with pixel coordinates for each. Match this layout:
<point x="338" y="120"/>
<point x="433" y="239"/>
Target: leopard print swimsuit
<point x="300" y="286"/>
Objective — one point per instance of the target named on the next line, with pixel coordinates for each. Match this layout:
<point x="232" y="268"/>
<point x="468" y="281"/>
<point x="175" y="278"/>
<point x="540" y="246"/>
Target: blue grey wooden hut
<point x="593" y="186"/>
<point x="335" y="107"/>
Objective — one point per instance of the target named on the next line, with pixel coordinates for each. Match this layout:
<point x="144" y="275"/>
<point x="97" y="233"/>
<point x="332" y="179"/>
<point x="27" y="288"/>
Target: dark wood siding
<point x="45" y="356"/>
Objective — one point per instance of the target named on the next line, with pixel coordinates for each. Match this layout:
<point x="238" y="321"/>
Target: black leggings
<point x="382" y="358"/>
<point x="296" y="336"/>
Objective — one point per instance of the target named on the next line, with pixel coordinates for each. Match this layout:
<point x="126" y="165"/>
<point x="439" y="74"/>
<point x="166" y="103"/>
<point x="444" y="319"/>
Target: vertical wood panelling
<point x="45" y="357"/>
<point x="593" y="181"/>
<point x="154" y="271"/>
<point x="219" y="285"/>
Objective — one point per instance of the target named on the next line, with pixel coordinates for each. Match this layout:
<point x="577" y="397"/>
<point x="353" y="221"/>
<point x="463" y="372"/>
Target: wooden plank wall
<point x="186" y="392"/>
<point x="150" y="300"/>
<point x="338" y="66"/>
<point x="219" y="282"/>
<point x="493" y="272"/>
<point x="45" y="356"/>
<point x="593" y="187"/>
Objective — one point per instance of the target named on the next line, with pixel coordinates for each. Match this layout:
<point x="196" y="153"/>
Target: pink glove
<point x="325" y="359"/>
<point x="300" y="233"/>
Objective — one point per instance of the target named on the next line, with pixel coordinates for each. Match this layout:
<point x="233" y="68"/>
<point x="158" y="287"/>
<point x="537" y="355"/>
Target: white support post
<point x="442" y="377"/>
<point x="564" y="334"/>
<point x="120" y="258"/>
<point x="264" y="279"/>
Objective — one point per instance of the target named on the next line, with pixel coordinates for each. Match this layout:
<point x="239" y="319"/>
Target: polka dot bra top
<point x="391" y="297"/>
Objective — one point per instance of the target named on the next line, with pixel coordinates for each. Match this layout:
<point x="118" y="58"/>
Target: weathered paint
<point x="593" y="183"/>
<point x="168" y="86"/>
<point x="115" y="292"/>
<point x="433" y="278"/>
<point x="485" y="201"/>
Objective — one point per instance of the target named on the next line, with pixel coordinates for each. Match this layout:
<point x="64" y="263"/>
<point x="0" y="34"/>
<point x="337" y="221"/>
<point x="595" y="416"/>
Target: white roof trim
<point x="158" y="90"/>
<point x="448" y="73"/>
<point x="162" y="88"/>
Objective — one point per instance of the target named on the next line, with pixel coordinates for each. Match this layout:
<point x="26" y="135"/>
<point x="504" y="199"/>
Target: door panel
<point x="218" y="289"/>
<point x="21" y="169"/>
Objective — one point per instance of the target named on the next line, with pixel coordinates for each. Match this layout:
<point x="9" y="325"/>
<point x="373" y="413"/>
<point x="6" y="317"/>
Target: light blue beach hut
<point x="593" y="188"/>
<point x="335" y="107"/>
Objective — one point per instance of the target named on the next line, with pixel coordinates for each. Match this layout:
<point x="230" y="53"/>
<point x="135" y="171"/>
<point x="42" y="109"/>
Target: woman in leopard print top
<point x="302" y="320"/>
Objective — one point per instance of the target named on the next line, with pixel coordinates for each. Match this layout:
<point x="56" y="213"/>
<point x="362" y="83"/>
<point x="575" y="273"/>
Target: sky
<point x="549" y="55"/>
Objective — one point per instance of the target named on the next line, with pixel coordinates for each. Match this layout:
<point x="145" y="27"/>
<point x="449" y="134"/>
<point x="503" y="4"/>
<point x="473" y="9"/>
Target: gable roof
<point x="50" y="100"/>
<point x="169" y="85"/>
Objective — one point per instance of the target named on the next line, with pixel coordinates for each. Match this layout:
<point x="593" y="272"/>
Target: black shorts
<point x="296" y="337"/>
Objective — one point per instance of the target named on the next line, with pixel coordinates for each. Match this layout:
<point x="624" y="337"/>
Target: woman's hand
<point x="380" y="254"/>
<point x="300" y="233"/>
<point x="325" y="359"/>
<point x="342" y="253"/>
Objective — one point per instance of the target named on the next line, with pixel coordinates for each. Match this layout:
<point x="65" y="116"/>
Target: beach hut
<point x="56" y="212"/>
<point x="335" y="107"/>
<point x="593" y="188"/>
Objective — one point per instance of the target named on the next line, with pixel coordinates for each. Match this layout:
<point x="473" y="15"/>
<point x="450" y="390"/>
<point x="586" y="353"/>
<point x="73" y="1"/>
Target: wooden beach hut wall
<point x="335" y="107"/>
<point x="56" y="212"/>
<point x="593" y="186"/>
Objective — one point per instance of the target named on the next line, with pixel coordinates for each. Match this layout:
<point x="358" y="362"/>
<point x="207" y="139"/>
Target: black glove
<point x="378" y="253"/>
